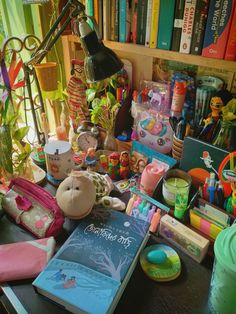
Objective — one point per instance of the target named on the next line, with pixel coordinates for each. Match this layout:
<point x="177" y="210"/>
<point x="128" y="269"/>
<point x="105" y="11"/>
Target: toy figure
<point x="124" y="164"/>
<point x="79" y="192"/>
<point x="210" y="123"/>
<point x="114" y="165"/>
<point x="104" y="162"/>
<point x="138" y="162"/>
<point x="90" y="158"/>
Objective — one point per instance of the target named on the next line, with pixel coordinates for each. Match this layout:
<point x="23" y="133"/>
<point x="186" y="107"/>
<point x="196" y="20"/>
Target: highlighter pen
<point x="155" y="221"/>
<point x="204" y="190"/>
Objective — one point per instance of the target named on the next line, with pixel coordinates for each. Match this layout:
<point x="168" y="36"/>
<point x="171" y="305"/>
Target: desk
<point x="187" y="294"/>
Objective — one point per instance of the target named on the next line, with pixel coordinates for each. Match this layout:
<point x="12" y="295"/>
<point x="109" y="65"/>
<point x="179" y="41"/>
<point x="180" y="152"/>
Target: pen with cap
<point x="211" y="188"/>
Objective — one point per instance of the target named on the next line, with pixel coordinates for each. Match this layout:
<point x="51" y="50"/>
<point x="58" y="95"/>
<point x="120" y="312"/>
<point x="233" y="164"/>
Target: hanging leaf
<point x="90" y="94"/>
<point x="21" y="133"/>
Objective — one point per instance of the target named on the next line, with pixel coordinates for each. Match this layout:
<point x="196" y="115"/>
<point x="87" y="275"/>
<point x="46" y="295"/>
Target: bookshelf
<point x="142" y="57"/>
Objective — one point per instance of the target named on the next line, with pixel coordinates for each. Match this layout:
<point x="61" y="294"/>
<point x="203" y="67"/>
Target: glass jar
<point x="226" y="138"/>
<point x="110" y="142"/>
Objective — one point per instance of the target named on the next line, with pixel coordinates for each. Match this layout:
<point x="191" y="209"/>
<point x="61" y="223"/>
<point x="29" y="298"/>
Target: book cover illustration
<point x="89" y="268"/>
<point x="217" y="28"/>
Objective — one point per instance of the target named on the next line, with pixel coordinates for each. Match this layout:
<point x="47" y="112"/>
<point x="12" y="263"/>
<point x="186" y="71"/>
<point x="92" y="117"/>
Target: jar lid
<point x="225" y="248"/>
<point x="57" y="147"/>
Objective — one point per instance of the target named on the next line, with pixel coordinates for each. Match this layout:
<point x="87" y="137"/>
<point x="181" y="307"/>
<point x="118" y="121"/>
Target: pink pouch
<point x="24" y="260"/>
<point x="33" y="207"/>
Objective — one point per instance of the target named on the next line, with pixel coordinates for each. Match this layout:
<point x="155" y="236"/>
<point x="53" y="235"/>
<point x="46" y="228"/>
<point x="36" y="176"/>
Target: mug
<point x="59" y="160"/>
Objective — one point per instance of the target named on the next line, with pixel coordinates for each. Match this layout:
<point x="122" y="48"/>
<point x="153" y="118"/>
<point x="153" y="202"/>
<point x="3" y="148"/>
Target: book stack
<point x="199" y="27"/>
<point x="90" y="271"/>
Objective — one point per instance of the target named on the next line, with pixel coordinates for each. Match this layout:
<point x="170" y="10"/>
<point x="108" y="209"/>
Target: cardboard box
<point x="184" y="238"/>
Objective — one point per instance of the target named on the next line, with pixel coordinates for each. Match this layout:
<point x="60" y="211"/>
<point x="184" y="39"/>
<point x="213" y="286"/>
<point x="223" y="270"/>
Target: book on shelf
<point x="154" y="23"/>
<point x="217" y="28"/>
<point x="187" y="29"/>
<point x="178" y="24"/>
<point x="95" y="9"/>
<point x="230" y="53"/>
<point x="165" y="27"/>
<point x="106" y="19"/>
<point x="116" y="21"/>
<point x="89" y="272"/>
<point x="134" y="13"/>
<point x="141" y="22"/>
<point x="89" y="9"/>
<point x="148" y="23"/>
<point x="124" y="21"/>
<point x="113" y="17"/>
<point x="100" y="17"/>
<point x="199" y="26"/>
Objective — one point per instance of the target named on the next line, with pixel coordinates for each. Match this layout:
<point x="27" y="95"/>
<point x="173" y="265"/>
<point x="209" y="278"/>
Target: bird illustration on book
<point x="206" y="157"/>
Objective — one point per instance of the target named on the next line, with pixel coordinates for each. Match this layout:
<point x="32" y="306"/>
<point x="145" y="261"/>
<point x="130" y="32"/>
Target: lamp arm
<point x="49" y="40"/>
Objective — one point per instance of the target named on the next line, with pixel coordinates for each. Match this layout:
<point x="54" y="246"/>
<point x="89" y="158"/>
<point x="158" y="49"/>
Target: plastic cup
<point x="222" y="297"/>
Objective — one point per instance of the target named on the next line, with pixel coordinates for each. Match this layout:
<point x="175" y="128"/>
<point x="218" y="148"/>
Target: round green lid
<point x="225" y="248"/>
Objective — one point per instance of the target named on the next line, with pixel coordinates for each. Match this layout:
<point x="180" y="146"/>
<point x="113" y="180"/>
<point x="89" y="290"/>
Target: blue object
<point x="156" y="257"/>
<point x="211" y="193"/>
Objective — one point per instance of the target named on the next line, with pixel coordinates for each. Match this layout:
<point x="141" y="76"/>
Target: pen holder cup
<point x="177" y="148"/>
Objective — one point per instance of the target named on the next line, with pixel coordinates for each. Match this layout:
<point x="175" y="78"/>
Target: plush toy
<point x="79" y="192"/>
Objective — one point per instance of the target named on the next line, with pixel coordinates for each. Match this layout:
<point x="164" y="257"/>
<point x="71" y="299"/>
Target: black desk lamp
<point x="100" y="61"/>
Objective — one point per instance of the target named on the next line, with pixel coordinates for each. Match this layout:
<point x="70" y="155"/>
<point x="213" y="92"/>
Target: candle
<point x="175" y="190"/>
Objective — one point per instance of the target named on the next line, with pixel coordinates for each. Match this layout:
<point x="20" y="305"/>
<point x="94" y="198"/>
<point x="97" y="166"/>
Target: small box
<point x="184" y="238"/>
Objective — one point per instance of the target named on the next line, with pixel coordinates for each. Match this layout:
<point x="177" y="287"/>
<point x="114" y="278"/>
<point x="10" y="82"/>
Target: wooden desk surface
<point x="188" y="294"/>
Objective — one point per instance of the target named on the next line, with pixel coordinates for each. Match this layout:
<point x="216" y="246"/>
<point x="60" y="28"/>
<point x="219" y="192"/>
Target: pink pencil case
<point x="34" y="208"/>
<point x="24" y="260"/>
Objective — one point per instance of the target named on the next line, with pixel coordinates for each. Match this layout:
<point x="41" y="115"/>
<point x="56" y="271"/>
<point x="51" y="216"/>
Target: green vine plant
<point x="103" y="104"/>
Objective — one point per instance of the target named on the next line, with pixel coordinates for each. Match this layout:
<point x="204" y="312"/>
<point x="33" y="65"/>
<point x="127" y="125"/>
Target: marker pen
<point x="204" y="190"/>
<point x="211" y="188"/>
<point x="151" y="213"/>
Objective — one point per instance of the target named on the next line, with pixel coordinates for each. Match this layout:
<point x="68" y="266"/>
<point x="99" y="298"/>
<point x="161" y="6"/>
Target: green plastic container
<point x="222" y="298"/>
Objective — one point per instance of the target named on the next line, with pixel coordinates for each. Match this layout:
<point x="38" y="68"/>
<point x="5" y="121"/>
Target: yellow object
<point x="47" y="75"/>
<point x="154" y="23"/>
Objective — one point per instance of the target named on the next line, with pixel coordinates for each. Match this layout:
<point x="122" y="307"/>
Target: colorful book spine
<point x="178" y="23"/>
<point x="154" y="23"/>
<point x="199" y="26"/>
<point x="106" y="20"/>
<point x="113" y="5"/>
<point x="217" y="28"/>
<point x="100" y="17"/>
<point x="122" y="21"/>
<point x="165" y="27"/>
<point x="89" y="10"/>
<point x="134" y="20"/>
<point x="141" y="22"/>
<point x="116" y="21"/>
<point x="95" y="8"/>
<point x="148" y="23"/>
<point x="187" y="29"/>
<point x="128" y="20"/>
<point x="230" y="53"/>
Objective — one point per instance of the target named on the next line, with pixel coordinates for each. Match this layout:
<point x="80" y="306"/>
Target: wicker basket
<point x="47" y="75"/>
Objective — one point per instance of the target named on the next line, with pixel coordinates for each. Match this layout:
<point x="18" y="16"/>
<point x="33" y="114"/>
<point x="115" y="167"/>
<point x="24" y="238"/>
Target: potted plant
<point x="104" y="108"/>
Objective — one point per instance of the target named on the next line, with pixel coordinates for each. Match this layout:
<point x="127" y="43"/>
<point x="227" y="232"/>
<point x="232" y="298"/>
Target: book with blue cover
<point x="90" y="271"/>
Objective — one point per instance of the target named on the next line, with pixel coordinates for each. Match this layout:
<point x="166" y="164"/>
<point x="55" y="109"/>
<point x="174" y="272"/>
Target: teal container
<point x="222" y="298"/>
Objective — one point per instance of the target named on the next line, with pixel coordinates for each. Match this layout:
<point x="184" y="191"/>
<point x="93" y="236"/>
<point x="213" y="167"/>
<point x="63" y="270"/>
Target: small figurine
<point x="124" y="164"/>
<point x="114" y="165"/>
<point x="104" y="162"/>
<point x="90" y="158"/>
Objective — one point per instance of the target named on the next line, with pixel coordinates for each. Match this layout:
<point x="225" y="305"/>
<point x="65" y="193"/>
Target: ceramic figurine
<point x="114" y="165"/>
<point x="90" y="158"/>
<point x="124" y="164"/>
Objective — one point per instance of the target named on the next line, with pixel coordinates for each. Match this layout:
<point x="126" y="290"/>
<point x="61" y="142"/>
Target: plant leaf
<point x="20" y="133"/>
<point x="90" y="94"/>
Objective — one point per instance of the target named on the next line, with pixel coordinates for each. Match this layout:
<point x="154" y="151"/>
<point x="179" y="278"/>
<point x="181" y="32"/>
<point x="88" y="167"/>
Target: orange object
<point x="155" y="220"/>
<point x="61" y="133"/>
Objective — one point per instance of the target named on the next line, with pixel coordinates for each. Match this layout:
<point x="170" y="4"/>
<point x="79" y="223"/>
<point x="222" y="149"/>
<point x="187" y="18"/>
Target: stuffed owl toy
<point x="79" y="192"/>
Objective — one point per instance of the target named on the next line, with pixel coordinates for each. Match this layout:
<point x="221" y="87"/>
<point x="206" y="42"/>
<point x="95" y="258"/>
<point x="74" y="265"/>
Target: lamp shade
<point x="100" y="62"/>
